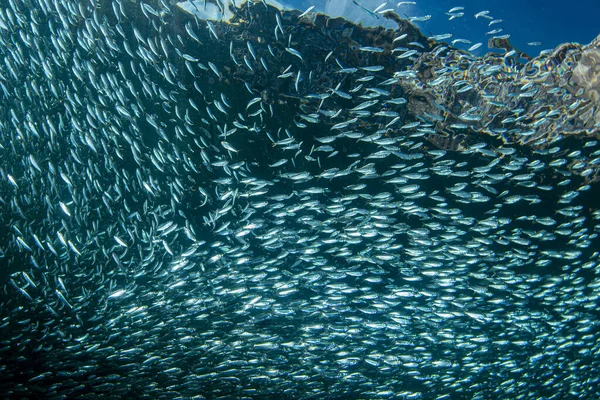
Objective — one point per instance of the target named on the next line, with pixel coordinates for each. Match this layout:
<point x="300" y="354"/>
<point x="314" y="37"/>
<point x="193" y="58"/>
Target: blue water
<point x="549" y="22"/>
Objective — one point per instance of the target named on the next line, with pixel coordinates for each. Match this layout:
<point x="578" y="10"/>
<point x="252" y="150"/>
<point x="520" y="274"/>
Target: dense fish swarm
<point x="291" y="206"/>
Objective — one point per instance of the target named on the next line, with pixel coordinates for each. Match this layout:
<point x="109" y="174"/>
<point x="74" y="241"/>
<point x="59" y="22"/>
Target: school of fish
<point x="288" y="206"/>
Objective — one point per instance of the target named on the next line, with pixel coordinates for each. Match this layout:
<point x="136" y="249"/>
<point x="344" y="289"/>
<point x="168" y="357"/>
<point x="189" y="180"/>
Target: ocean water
<point x="245" y="201"/>
<point x="550" y="23"/>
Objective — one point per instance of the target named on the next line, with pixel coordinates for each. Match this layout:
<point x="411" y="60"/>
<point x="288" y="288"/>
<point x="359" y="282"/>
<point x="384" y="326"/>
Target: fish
<point x="305" y="12"/>
<point x="251" y="49"/>
<point x="408" y="54"/>
<point x="231" y="200"/>
<point x="475" y="46"/>
<point x="483" y="14"/>
<point x="294" y="52"/>
<point x="371" y="13"/>
<point x="212" y="30"/>
<point x="191" y="32"/>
